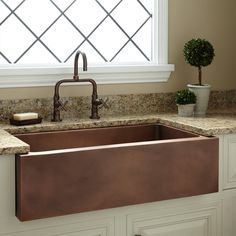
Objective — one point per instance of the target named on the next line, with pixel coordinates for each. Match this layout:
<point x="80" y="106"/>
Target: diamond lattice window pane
<point x="62" y="38"/>
<point x="147" y="4"/>
<point x="109" y="4"/>
<point x="13" y="3"/>
<point x="86" y="14"/>
<point x="63" y="4"/>
<point x="38" y="15"/>
<point x="130" y="53"/>
<point x="130" y="22"/>
<point x="105" y="36"/>
<point x="143" y="39"/>
<point x="4" y="12"/>
<point x="85" y="25"/>
<point x="3" y="60"/>
<point x="92" y="55"/>
<point x="14" y="38"/>
<point x="38" y="54"/>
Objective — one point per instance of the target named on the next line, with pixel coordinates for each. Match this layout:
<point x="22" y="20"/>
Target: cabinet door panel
<point x="198" y="222"/>
<point x="229" y="217"/>
<point x="193" y="228"/>
<point x="66" y="230"/>
<point x="89" y="227"/>
<point x="229" y="161"/>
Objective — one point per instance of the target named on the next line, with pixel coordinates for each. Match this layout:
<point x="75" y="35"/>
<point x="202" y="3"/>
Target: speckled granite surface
<point x="130" y="104"/>
<point x="11" y="145"/>
<point x="152" y="107"/>
<point x="80" y="107"/>
<point x="208" y="126"/>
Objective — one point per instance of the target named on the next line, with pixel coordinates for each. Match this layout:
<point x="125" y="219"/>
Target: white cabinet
<point x="201" y="221"/>
<point x="229" y="185"/>
<point x="229" y="161"/>
<point x="86" y="224"/>
<point x="205" y="215"/>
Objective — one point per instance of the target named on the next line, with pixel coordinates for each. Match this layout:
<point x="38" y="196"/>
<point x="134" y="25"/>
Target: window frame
<point x="156" y="71"/>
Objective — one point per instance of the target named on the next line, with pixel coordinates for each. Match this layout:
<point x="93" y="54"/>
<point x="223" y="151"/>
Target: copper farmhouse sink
<point x="90" y="169"/>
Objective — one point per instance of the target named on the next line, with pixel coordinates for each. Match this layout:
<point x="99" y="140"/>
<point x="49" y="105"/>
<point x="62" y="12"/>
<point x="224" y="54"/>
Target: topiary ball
<point x="198" y="52"/>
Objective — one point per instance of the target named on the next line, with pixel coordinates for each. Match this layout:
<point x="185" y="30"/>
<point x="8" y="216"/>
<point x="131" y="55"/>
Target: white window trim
<point x="44" y="75"/>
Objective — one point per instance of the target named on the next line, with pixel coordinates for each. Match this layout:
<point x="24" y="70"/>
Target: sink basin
<point x="56" y="140"/>
<point x="90" y="169"/>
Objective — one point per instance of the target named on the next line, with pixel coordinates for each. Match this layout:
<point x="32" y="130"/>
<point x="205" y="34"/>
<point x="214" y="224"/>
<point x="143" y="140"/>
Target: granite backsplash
<point x="130" y="104"/>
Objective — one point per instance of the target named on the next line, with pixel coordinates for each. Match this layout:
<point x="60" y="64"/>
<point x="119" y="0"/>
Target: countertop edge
<point x="10" y="145"/>
<point x="209" y="126"/>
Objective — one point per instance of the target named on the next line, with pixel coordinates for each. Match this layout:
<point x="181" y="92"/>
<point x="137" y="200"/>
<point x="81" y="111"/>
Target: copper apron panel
<point x="78" y="181"/>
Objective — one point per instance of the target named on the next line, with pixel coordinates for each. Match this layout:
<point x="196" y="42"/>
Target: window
<point x="124" y="40"/>
<point x="111" y="36"/>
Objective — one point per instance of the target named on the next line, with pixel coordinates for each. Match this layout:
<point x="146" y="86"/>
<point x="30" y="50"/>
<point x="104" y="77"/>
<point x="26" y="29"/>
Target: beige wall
<point x="213" y="20"/>
<point x="209" y="19"/>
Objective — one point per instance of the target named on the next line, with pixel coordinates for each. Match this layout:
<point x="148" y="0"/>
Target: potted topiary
<point x="185" y="100"/>
<point x="199" y="53"/>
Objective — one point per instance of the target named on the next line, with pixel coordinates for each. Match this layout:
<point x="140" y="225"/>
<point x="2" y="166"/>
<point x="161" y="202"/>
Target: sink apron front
<point x="59" y="182"/>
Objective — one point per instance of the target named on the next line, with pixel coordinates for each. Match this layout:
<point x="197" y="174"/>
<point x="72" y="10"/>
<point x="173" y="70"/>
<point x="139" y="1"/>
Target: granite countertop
<point x="211" y="125"/>
<point x="11" y="145"/>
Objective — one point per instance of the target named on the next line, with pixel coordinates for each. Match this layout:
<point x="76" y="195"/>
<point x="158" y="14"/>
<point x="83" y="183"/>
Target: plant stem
<point x="200" y="75"/>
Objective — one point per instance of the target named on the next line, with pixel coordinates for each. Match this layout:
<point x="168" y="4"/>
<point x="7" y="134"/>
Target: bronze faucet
<point x="58" y="105"/>
<point x="76" y="62"/>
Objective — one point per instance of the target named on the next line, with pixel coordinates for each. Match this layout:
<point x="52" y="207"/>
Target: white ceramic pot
<point x="202" y="93"/>
<point x="185" y="110"/>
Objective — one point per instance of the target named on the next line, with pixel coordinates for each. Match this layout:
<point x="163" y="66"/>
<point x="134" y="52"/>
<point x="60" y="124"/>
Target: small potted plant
<point x="199" y="53"/>
<point x="185" y="100"/>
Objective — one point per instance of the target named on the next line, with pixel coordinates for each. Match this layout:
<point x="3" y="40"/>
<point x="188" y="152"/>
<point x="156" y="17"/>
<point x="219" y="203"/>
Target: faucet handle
<point x="104" y="103"/>
<point x="62" y="106"/>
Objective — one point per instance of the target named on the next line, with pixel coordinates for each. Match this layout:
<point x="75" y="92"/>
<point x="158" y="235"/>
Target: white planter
<point x="185" y="110"/>
<point x="202" y="93"/>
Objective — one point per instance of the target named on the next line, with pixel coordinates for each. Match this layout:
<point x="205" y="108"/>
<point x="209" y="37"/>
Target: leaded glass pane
<point x="51" y="31"/>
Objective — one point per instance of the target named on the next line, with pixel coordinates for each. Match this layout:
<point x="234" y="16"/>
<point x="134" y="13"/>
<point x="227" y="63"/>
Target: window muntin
<point x="51" y="31"/>
<point x="157" y="70"/>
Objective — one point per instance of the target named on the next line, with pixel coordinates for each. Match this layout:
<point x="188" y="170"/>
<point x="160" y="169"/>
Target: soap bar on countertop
<point x="25" y="116"/>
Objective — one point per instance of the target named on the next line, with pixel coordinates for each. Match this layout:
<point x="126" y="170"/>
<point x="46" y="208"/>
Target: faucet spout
<point x="76" y="64"/>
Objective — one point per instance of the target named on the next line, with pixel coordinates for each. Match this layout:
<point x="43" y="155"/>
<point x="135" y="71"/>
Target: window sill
<point x="48" y="76"/>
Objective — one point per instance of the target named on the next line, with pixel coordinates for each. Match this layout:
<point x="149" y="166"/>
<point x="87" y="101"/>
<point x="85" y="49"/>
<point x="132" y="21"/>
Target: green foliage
<point x="184" y="97"/>
<point x="199" y="53"/>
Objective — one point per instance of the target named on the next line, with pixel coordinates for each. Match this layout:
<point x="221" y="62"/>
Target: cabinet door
<point x="229" y="216"/>
<point x="195" y="223"/>
<point x="229" y="161"/>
